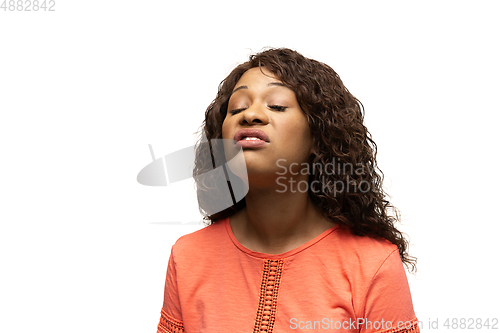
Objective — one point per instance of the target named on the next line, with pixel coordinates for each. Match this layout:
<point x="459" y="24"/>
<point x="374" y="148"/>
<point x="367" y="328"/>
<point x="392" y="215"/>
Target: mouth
<point x="251" y="135"/>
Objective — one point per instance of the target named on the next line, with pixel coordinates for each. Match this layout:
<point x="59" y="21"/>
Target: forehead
<point x="257" y="75"/>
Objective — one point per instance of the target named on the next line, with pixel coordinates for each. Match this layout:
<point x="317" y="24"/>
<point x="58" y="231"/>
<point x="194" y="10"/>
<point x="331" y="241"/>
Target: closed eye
<point x="235" y="111"/>
<point x="277" y="107"/>
<point x="272" y="107"/>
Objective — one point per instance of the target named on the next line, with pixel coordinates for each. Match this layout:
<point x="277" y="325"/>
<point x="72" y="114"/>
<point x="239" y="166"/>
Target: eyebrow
<point x="279" y="84"/>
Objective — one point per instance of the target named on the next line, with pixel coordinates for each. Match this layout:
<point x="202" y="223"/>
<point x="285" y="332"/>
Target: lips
<point x="255" y="133"/>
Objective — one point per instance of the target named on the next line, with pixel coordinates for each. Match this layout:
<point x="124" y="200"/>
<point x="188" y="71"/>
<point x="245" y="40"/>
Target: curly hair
<point x="335" y="119"/>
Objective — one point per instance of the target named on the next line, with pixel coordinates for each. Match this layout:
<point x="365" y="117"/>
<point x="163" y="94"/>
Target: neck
<point x="278" y="218"/>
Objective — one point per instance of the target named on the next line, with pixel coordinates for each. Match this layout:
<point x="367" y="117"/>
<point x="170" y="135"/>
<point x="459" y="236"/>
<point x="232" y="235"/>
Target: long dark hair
<point x="340" y="141"/>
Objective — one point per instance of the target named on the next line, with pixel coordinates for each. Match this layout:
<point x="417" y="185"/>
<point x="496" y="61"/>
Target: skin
<point x="272" y="222"/>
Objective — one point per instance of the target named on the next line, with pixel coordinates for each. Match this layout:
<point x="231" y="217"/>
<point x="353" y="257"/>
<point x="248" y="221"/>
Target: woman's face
<point x="262" y="102"/>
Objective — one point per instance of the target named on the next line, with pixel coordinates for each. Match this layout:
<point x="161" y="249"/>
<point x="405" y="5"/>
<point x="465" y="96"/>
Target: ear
<point x="313" y="151"/>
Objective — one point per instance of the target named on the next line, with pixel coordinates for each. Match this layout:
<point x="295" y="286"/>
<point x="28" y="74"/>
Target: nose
<point x="255" y="114"/>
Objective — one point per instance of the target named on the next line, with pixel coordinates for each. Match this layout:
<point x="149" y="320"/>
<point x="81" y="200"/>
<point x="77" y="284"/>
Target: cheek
<point x="303" y="134"/>
<point x="299" y="128"/>
<point x="227" y="129"/>
<point x="224" y="129"/>
<point x="296" y="136"/>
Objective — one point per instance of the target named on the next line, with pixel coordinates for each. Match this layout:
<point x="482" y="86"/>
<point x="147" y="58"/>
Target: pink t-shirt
<point x="336" y="281"/>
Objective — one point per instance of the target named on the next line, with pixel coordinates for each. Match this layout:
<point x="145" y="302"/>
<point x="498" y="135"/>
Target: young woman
<point x="312" y="246"/>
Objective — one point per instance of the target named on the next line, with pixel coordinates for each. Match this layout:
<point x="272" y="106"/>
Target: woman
<point x="312" y="245"/>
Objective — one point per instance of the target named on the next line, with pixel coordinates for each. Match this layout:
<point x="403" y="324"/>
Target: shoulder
<point x="364" y="249"/>
<point x="200" y="241"/>
<point x="360" y="257"/>
<point x="376" y="274"/>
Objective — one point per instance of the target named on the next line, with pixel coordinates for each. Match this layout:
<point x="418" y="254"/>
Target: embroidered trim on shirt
<point x="410" y="326"/>
<point x="169" y="324"/>
<point x="268" y="296"/>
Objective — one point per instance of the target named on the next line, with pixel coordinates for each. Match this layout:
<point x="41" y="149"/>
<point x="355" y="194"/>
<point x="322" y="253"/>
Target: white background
<point x="85" y="89"/>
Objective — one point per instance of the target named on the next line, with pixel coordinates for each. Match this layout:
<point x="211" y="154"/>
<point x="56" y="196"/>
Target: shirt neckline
<point x="279" y="255"/>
